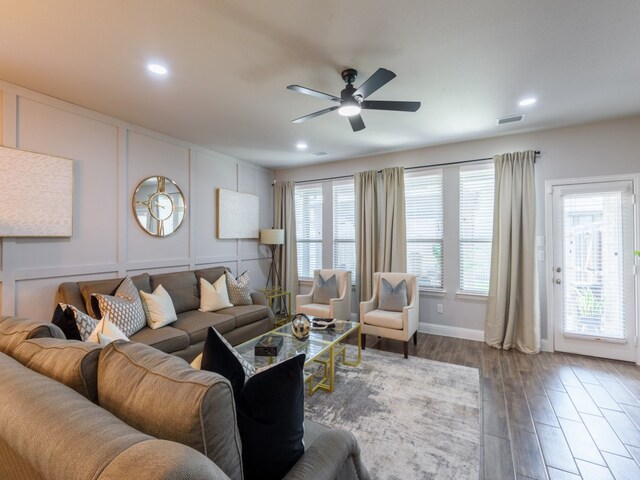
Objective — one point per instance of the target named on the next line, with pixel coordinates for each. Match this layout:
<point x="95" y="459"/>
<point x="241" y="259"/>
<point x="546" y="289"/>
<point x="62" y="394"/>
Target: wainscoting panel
<point x="110" y="158"/>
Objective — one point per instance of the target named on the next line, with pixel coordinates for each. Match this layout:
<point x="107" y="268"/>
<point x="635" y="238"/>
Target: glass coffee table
<point x="322" y="347"/>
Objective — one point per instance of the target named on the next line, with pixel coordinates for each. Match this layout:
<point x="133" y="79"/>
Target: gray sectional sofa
<point x="75" y="410"/>
<point x="185" y="337"/>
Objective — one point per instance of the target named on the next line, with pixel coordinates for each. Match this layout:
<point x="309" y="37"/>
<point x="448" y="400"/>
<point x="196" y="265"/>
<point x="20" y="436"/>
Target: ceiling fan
<point x="352" y="100"/>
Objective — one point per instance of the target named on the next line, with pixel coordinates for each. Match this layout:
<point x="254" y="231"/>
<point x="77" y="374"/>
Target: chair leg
<point x="363" y="340"/>
<point x="415" y="338"/>
<point x="406" y="349"/>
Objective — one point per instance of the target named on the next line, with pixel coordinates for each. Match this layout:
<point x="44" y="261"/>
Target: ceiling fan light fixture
<point x="349" y="109"/>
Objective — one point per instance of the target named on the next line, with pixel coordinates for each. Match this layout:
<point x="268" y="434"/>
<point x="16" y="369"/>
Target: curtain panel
<point x="392" y="255"/>
<point x="366" y="185"/>
<point x="513" y="316"/>
<point x="284" y="216"/>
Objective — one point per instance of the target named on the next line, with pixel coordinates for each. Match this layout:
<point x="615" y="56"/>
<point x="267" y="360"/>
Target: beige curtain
<point x="392" y="254"/>
<point x="513" y="317"/>
<point x="284" y="216"/>
<point x="366" y="184"/>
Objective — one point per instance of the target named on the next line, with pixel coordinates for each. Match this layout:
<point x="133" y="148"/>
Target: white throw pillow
<point x="158" y="308"/>
<point x="214" y="297"/>
<point x="106" y="332"/>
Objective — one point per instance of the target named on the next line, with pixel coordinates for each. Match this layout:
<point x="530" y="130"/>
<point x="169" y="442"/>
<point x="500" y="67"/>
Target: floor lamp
<point x="273" y="238"/>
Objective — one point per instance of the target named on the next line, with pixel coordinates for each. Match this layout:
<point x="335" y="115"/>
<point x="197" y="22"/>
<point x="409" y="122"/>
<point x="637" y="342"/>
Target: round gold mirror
<point x="159" y="206"/>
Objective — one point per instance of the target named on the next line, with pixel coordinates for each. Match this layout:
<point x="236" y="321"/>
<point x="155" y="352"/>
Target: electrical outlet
<point x="440" y="308"/>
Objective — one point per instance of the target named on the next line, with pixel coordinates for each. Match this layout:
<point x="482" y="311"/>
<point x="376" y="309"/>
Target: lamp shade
<point x="272" y="236"/>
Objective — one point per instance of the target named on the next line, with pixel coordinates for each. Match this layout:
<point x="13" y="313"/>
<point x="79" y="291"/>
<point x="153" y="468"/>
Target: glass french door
<point x="594" y="304"/>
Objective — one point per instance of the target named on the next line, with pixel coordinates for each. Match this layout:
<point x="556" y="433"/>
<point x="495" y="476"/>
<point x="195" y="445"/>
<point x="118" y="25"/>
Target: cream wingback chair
<point x="329" y="298"/>
<point x="393" y="311"/>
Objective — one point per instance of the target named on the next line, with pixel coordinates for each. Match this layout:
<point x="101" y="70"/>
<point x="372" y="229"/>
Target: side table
<point x="283" y="315"/>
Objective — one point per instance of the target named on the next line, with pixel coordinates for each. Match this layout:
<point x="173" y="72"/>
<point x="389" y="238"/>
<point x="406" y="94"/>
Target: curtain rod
<point x="537" y="152"/>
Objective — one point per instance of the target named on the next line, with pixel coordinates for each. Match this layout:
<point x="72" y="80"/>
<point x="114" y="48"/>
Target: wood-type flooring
<point x="548" y="416"/>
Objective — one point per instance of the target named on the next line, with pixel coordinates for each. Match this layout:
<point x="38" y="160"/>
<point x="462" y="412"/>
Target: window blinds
<point x="344" y="227"/>
<point x="476" y="227"/>
<point x="424" y="216"/>
<point x="597" y="262"/>
<point x="308" y="200"/>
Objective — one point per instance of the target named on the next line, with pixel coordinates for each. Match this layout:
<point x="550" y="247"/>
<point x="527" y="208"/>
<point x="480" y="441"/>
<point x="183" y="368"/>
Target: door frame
<point x="549" y="254"/>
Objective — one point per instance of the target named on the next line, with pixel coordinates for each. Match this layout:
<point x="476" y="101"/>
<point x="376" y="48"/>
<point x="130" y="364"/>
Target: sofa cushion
<point x="182" y="287"/>
<point x="158" y="308"/>
<point x="108" y="287"/>
<point x="210" y="274"/>
<point x="65" y="319"/>
<point x="383" y="318"/>
<point x="393" y="299"/>
<point x="238" y="289"/>
<point x="71" y="362"/>
<point x="325" y="289"/>
<point x="166" y="339"/>
<point x="124" y="308"/>
<point x="15" y="330"/>
<point x="172" y="401"/>
<point x="245" y="314"/>
<point x="315" y="309"/>
<point x="270" y="405"/>
<point x="52" y="430"/>
<point x="196" y="324"/>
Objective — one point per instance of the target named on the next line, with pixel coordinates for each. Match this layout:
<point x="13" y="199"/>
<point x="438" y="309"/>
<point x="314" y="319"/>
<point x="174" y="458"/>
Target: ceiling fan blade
<point x="381" y="77"/>
<point x="315" y="114"/>
<point x="384" y="105"/>
<point x="313" y="93"/>
<point x="356" y="123"/>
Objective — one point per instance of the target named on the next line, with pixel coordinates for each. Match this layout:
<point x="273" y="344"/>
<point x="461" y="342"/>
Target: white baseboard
<point x="467" y="333"/>
<point x="449" y="331"/>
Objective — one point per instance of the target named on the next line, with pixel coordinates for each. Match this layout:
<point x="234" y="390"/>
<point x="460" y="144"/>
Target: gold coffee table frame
<point x="322" y="347"/>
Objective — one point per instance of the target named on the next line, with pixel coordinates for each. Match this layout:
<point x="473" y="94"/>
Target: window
<point x="424" y="215"/>
<point x="308" y="200"/>
<point x="344" y="227"/>
<point x="476" y="227"/>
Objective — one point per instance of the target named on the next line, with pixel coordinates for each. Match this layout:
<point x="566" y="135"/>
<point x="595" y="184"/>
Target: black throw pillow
<point x="269" y="404"/>
<point x="66" y="320"/>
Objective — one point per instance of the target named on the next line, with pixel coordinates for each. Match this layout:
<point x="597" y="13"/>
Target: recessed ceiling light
<point x="157" y="68"/>
<point x="301" y="146"/>
<point x="527" y="101"/>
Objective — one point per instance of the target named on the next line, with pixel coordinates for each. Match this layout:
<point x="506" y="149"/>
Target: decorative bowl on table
<point x="300" y="326"/>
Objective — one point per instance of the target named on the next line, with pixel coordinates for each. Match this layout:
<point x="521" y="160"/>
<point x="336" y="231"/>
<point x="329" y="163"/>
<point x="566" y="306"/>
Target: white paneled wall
<point x="110" y="158"/>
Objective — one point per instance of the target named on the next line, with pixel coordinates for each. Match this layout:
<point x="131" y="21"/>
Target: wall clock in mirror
<point x="159" y="206"/>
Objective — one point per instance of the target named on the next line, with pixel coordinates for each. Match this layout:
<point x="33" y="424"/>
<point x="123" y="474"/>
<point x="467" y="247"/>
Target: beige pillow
<point x="158" y="308"/>
<point x="106" y="332"/>
<point x="214" y="297"/>
<point x="197" y="362"/>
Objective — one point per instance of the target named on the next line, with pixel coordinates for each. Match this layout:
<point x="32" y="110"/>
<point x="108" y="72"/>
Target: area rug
<point x="414" y="419"/>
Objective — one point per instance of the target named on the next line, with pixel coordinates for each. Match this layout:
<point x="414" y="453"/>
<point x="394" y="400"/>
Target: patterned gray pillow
<point x="238" y="289"/>
<point x="392" y="299"/>
<point x="325" y="290"/>
<point x="125" y="308"/>
<point x="86" y="324"/>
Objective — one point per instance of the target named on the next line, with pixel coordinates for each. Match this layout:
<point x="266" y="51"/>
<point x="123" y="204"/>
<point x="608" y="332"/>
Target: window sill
<point x="478" y="297"/>
<point x="433" y="293"/>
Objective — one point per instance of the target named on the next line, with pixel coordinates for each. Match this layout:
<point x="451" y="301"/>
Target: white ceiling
<point x="468" y="62"/>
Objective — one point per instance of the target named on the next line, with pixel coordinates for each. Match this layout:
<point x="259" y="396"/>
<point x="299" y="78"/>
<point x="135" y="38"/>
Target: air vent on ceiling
<point x="319" y="154"/>
<point x="510" y="119"/>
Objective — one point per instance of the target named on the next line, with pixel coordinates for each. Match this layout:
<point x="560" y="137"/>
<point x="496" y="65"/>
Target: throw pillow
<point x="158" y="308"/>
<point x="197" y="362"/>
<point x="325" y="290"/>
<point x="238" y="289"/>
<point x="106" y="332"/>
<point x="84" y="323"/>
<point x="65" y="319"/>
<point x="214" y="297"/>
<point x="124" y="309"/>
<point x="270" y="408"/>
<point x="392" y="299"/>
